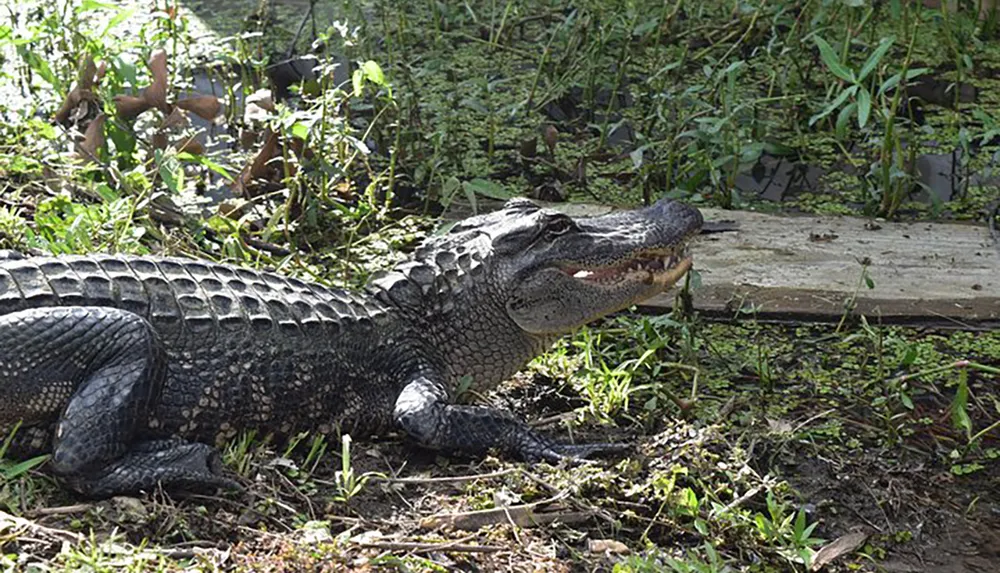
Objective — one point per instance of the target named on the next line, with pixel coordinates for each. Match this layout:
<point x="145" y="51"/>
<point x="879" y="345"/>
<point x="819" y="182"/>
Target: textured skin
<point x="128" y="369"/>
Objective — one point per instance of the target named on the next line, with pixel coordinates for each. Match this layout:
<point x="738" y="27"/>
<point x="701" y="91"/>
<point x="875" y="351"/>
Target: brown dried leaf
<point x="129" y="107"/>
<point x="259" y="106"/>
<point x="192" y="146"/>
<point x="82" y="90"/>
<point x="87" y="73"/>
<point x="176" y="118"/>
<point x="204" y="106"/>
<point x="257" y="169"/>
<point x="551" y="136"/>
<point x="93" y="139"/>
<point x="156" y="94"/>
<point x="841" y="546"/>
<point x="159" y="140"/>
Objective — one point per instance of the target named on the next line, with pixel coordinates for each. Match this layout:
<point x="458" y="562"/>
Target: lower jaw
<point x="669" y="277"/>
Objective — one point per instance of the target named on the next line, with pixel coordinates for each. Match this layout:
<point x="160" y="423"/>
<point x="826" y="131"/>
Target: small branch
<point x="446" y="479"/>
<point x="413" y="547"/>
<point x="517" y="515"/>
<point x="46" y="533"/>
<point x="61" y="510"/>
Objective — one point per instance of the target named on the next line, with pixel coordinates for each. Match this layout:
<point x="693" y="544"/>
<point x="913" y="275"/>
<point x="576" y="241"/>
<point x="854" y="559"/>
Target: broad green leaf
<point x="875" y="57"/>
<point x="358" y="81"/>
<point x="448" y="190"/>
<point x="41" y="67"/>
<point x="844" y="117"/>
<point x="300" y="130"/>
<point x="636" y="156"/>
<point x="207" y="163"/>
<point x="959" y="416"/>
<point x="832" y="60"/>
<point x="470" y="194"/>
<point x="779" y="149"/>
<point x="834" y="104"/>
<point x="864" y="107"/>
<point x="893" y="81"/>
<point x="374" y="73"/>
<point x="15" y="470"/>
<point x="88" y="5"/>
<point x="487" y="188"/>
<point x="120" y="17"/>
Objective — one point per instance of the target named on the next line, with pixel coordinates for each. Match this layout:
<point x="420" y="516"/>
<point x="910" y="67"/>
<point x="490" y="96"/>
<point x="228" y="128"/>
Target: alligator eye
<point x="560" y="226"/>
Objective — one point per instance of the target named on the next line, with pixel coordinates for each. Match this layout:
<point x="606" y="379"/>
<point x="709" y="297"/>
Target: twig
<point x="61" y="510"/>
<point x="39" y="530"/>
<point x="446" y="479"/>
<point x="517" y="515"/>
<point x="302" y="25"/>
<point x="750" y="494"/>
<point x="414" y="547"/>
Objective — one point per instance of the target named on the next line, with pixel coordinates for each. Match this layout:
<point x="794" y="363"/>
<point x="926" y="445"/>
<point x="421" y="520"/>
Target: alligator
<point x="132" y="371"/>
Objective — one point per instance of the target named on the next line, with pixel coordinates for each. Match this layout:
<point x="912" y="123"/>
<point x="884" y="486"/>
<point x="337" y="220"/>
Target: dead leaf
<point x="176" y="118"/>
<point x="607" y="546"/>
<point x="204" y="106"/>
<point x="89" y="75"/>
<point x="551" y="136"/>
<point x="192" y="146"/>
<point x="129" y="107"/>
<point x="779" y="426"/>
<point x="519" y="515"/>
<point x="156" y="93"/>
<point x="841" y="546"/>
<point x="93" y="139"/>
<point x="259" y="106"/>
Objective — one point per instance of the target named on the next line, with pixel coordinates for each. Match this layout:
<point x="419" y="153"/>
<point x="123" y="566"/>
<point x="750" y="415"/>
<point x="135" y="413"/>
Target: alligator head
<point x="510" y="281"/>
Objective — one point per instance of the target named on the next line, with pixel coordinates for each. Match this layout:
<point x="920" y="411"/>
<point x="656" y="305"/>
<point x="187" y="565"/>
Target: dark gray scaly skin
<point x="130" y="369"/>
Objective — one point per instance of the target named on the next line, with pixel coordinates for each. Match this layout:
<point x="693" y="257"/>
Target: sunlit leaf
<point x="875" y="57"/>
<point x="832" y="60"/>
<point x="373" y="72"/>
<point x="487" y="188"/>
<point x="864" y="107"/>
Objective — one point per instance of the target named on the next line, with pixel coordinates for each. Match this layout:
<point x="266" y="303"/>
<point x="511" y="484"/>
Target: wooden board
<point x="806" y="268"/>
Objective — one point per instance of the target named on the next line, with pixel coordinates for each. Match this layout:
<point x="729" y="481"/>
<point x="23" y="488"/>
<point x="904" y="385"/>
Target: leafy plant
<point x="349" y="484"/>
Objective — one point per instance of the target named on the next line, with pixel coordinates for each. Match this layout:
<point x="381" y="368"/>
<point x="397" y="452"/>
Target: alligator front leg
<point x="96" y="372"/>
<point x="423" y="411"/>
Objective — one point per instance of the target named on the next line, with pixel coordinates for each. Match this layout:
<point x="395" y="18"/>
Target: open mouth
<point x="661" y="267"/>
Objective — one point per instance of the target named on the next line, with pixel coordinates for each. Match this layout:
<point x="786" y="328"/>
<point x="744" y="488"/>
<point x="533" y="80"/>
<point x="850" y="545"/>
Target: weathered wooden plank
<point x="806" y="267"/>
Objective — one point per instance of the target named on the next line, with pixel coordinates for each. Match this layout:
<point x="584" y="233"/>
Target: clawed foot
<point x="173" y="464"/>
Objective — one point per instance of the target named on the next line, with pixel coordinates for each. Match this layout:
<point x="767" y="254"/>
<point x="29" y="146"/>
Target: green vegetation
<point x="755" y="445"/>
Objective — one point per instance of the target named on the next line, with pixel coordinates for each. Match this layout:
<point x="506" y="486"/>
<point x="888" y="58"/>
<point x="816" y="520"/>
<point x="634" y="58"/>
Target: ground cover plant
<point x="325" y="139"/>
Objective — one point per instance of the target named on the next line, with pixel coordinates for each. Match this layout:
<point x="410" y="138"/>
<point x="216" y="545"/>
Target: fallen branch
<point x="59" y="510"/>
<point x="47" y="534"/>
<point x="446" y="479"/>
<point x="414" y="547"/>
<point x="518" y="515"/>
